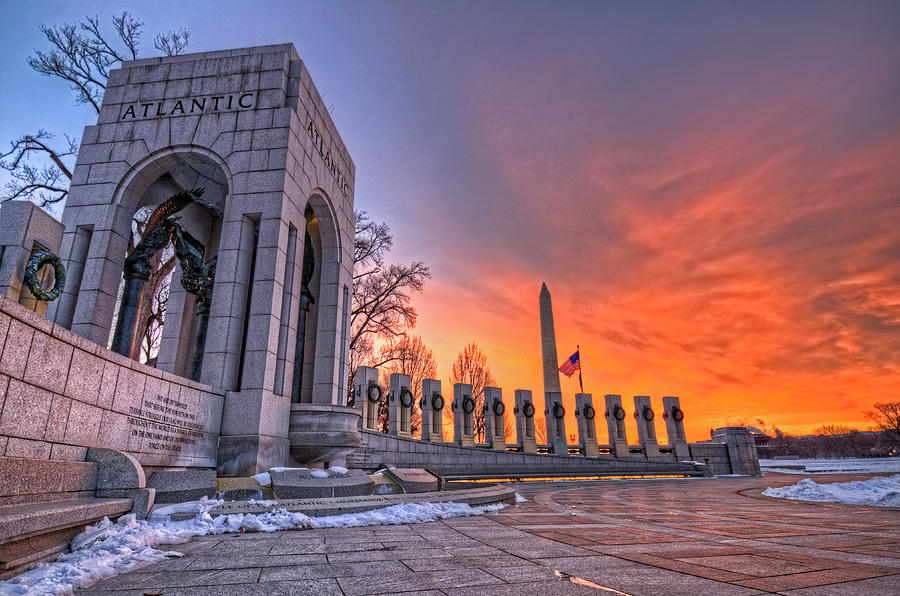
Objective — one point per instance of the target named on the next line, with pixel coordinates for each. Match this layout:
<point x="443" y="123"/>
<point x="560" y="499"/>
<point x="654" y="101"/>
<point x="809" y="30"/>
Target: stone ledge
<point x="20" y="521"/>
<point x="486" y="495"/>
<point x="37" y="532"/>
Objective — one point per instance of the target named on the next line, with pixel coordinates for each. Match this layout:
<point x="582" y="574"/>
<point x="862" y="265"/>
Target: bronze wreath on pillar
<point x="406" y="397"/>
<point x="618" y="412"/>
<point x="558" y="411"/>
<point x="647" y="413"/>
<point x="437" y="401"/>
<point x="468" y="404"/>
<point x="677" y="414"/>
<point x="528" y="409"/>
<point x="588" y="412"/>
<point x="38" y="260"/>
<point x="376" y="390"/>
<point x="499" y="408"/>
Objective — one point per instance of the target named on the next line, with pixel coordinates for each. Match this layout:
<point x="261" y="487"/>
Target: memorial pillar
<point x="643" y="414"/>
<point x="463" y="410"/>
<point x="555" y="415"/>
<point x="494" y="431"/>
<point x="432" y="406"/>
<point x="367" y="396"/>
<point x="615" y="423"/>
<point x="587" y="429"/>
<point x="524" y="412"/>
<point x="400" y="405"/>
<point x="675" y="428"/>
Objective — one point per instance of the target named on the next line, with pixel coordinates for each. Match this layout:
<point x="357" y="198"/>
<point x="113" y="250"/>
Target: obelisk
<point x="548" y="343"/>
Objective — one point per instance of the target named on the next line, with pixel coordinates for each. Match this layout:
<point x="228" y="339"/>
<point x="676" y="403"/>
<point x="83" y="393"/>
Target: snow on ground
<point x="108" y="548"/>
<point x="881" y="491"/>
<point x="831" y="466"/>
<point x="265" y="479"/>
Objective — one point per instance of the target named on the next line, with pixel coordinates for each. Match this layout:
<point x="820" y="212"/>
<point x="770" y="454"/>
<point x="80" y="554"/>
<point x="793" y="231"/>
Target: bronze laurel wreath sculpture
<point x="38" y="260"/>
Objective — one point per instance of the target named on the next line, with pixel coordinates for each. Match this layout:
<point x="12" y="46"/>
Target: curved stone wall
<point x="60" y="394"/>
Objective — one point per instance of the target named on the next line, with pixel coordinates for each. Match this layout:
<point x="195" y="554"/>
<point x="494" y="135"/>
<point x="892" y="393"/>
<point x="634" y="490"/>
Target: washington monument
<point x="548" y="343"/>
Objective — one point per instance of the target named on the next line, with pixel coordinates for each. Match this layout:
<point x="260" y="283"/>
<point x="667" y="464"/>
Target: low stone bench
<point x="46" y="503"/>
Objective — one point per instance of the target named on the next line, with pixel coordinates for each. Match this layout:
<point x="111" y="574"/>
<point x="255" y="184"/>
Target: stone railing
<point x="732" y="450"/>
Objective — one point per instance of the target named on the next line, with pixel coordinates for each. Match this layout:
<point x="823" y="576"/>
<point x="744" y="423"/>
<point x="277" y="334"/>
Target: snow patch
<point x="337" y="470"/>
<point x="520" y="499"/>
<point x="405" y="513"/>
<point x="882" y="491"/>
<point x="107" y="549"/>
<point x="318" y="474"/>
<point x="263" y="479"/>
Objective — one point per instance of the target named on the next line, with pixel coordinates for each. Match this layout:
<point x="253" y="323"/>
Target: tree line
<point x="839" y="441"/>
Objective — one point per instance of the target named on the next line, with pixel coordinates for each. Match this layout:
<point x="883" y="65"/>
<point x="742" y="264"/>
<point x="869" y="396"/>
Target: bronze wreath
<point x="677" y="414"/>
<point x="437" y="401"/>
<point x="588" y="412"/>
<point x="618" y="412"/>
<point x="647" y="413"/>
<point x="38" y="260"/>
<point x="499" y="408"/>
<point x="558" y="411"/>
<point x="406" y="397"/>
<point x="376" y="389"/>
<point x="468" y="404"/>
<point x="528" y="409"/>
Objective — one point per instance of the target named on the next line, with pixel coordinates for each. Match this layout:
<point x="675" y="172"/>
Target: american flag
<point x="571" y="364"/>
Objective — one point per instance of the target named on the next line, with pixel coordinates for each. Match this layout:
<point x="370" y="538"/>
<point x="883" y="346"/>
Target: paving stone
<point x="505" y="554"/>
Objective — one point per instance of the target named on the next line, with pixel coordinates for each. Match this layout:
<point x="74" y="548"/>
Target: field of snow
<point x="108" y="548"/>
<point x="831" y="466"/>
<point x="881" y="491"/>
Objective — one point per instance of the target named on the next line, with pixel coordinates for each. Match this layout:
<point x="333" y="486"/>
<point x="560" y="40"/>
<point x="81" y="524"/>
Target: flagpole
<point x="578" y="348"/>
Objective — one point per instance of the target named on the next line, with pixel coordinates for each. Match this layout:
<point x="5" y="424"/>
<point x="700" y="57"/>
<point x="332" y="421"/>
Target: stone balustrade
<point x="494" y="415"/>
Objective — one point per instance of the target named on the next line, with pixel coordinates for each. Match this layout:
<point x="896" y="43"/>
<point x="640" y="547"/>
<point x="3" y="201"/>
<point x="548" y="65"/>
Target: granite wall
<point x="60" y="394"/>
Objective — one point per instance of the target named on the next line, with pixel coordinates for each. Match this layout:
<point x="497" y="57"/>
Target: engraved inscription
<point x="167" y="422"/>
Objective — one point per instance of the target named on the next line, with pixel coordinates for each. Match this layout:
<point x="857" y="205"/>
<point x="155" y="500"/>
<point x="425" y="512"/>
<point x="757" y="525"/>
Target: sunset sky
<point x="711" y="191"/>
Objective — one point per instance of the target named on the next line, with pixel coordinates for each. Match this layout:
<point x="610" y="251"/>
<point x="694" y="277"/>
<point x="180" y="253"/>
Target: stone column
<point x="524" y="412"/>
<point x="494" y="432"/>
<point x="367" y="396"/>
<point x="741" y="449"/>
<point x="400" y="405"/>
<point x="587" y="429"/>
<point x="463" y="410"/>
<point x="643" y="414"/>
<point x="615" y="423"/>
<point x="555" y="415"/>
<point x="432" y="406"/>
<point x="675" y="428"/>
<point x="26" y="229"/>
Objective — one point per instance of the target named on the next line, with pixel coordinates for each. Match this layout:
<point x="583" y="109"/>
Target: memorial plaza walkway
<point x="705" y="537"/>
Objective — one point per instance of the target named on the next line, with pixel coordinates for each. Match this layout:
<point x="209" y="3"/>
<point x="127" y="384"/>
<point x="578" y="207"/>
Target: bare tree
<point x="382" y="298"/>
<point x="471" y="368"/>
<point x="408" y="356"/>
<point x="44" y="180"/>
<point x="152" y="336"/>
<point x="82" y="55"/>
<point x="540" y="430"/>
<point x="885" y="416"/>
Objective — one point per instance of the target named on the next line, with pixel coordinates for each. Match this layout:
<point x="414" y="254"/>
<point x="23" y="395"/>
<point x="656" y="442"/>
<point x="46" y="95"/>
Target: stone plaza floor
<point x="705" y="537"/>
